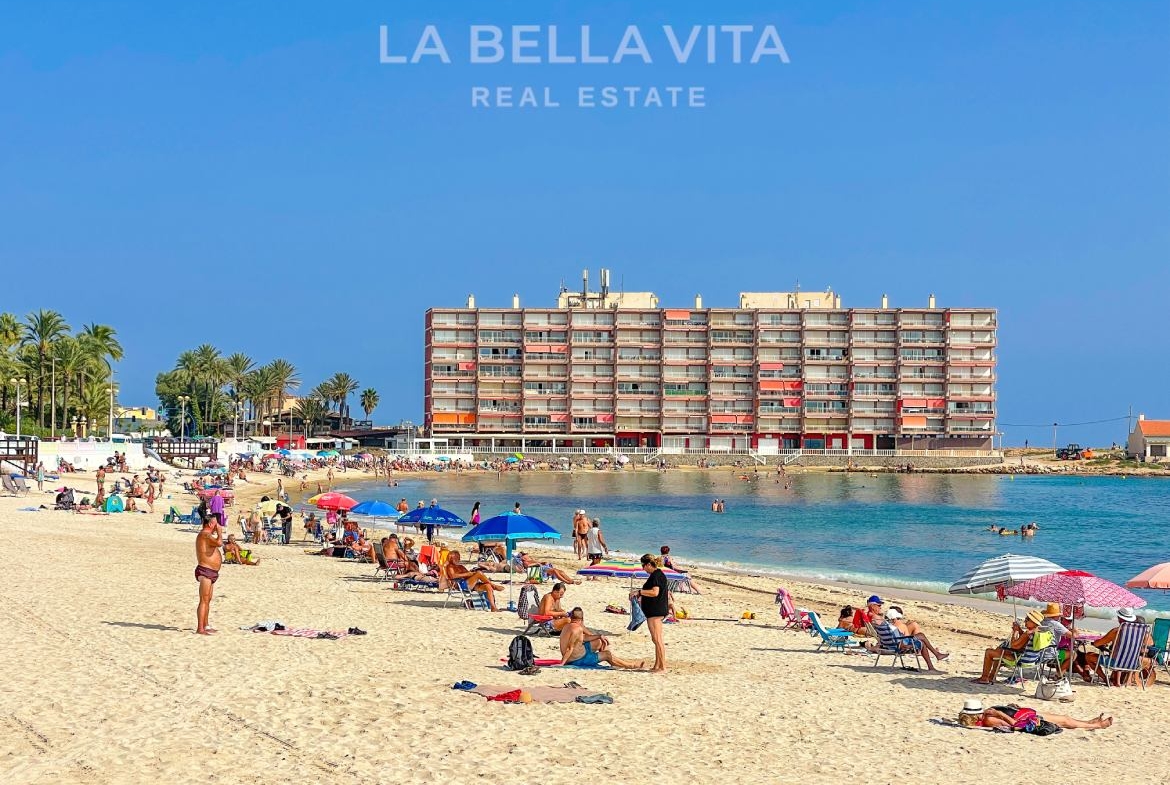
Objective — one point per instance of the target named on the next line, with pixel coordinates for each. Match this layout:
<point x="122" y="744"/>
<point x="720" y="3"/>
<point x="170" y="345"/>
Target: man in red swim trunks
<point x="207" y="553"/>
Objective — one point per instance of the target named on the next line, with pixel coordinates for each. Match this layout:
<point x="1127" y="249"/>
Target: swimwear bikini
<point x="586" y="660"/>
<point x="206" y="572"/>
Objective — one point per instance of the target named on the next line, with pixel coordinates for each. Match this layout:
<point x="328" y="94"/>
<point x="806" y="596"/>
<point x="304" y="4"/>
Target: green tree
<point x="311" y="410"/>
<point x="237" y="369"/>
<point x="343" y="385"/>
<point x="284" y="379"/>
<point x="369" y="401"/>
<point x="41" y="330"/>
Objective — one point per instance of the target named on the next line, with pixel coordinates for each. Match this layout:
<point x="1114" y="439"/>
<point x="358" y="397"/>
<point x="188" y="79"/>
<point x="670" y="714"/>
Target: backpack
<point x="520" y="654"/>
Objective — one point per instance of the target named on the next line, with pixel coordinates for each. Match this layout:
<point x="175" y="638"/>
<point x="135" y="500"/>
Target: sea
<point x="914" y="531"/>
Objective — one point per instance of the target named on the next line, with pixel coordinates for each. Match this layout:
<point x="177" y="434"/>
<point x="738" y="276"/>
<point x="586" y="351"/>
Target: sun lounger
<point x="794" y="618"/>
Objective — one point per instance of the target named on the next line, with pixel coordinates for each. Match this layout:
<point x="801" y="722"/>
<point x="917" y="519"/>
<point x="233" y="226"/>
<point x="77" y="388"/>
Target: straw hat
<point x="972" y="706"/>
<point x="1036" y="617"/>
<point x="1052" y="611"/>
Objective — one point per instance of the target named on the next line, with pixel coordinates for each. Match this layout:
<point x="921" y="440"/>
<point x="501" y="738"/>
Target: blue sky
<point x="250" y="175"/>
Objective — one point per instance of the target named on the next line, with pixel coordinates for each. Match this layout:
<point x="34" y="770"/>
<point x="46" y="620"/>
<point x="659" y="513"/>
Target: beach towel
<point x="637" y="618"/>
<point x="546" y="663"/>
<point x="539" y="694"/>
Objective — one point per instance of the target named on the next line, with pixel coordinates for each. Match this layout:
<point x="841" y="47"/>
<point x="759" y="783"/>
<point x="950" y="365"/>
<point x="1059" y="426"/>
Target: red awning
<point x="920" y="402"/>
<point x="677" y="313"/>
<point x="771" y="366"/>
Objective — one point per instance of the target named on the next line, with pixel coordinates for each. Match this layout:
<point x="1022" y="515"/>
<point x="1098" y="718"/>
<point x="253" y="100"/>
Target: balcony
<point x="826" y="413"/>
<point x="778" y="411"/>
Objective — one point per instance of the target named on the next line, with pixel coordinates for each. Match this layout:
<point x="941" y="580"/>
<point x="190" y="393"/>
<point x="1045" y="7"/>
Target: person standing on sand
<point x="215" y="507"/>
<point x="474" y="519"/>
<point x="150" y="495"/>
<point x="206" y="572"/>
<point x="101" y="481"/>
<point x="655" y="598"/>
<point x="580" y="533"/>
<point x="329" y="477"/>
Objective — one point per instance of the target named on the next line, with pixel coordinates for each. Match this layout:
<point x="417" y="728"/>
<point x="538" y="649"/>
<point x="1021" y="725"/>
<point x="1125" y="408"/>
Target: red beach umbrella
<point x="334" y="501"/>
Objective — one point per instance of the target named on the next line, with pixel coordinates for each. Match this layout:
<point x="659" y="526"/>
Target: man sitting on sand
<point x="235" y="554"/>
<point x="476" y="581"/>
<point x="583" y="648"/>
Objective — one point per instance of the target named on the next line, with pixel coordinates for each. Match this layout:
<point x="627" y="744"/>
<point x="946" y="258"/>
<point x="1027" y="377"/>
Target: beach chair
<point x="386" y="569"/>
<point x="8" y="484"/>
<point x="473" y="601"/>
<point x="892" y="644"/>
<point x="1126" y="655"/>
<point x="1040" y="653"/>
<point x="794" y="618"/>
<point x="526" y="608"/>
<point x="21" y="485"/>
<point x="1161" y="635"/>
<point x="834" y="639"/>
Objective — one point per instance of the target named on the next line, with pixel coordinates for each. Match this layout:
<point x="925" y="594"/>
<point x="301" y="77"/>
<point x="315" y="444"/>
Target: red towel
<point x="506" y="697"/>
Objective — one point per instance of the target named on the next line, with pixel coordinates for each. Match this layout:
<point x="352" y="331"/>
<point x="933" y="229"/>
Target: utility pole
<point x="53" y="405"/>
<point x="1128" y="423"/>
<point x="1054" y="440"/>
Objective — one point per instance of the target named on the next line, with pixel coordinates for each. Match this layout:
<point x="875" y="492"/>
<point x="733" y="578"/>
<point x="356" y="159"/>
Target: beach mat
<point x="306" y="632"/>
<point x="539" y="694"/>
<point x="550" y="663"/>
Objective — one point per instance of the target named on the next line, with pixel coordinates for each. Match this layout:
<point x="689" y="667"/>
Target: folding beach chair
<point x="1126" y="655"/>
<point x="1161" y="635"/>
<point x="384" y="568"/>
<point x="21" y="485"/>
<point x="473" y="601"/>
<point x="526" y="608"/>
<point x="892" y="644"/>
<point x="1040" y="653"/>
<point x="8" y="484"/>
<point x="794" y="618"/>
<point x="834" y="639"/>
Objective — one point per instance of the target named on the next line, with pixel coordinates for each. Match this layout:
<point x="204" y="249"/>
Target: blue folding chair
<point x="831" y="639"/>
<point x="1127" y="651"/>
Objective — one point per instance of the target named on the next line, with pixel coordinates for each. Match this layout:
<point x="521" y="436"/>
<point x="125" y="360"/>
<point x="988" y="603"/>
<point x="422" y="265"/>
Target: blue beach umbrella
<point x="511" y="527"/>
<point x="511" y="459"/>
<point x="375" y="509"/>
<point x="434" y="516"/>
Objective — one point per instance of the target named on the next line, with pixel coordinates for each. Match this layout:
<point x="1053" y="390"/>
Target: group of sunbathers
<point x="909" y="634"/>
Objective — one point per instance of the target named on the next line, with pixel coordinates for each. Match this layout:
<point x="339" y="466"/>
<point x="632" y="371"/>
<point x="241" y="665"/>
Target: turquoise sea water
<point x="914" y="531"/>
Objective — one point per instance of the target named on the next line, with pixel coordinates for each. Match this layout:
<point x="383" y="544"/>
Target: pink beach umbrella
<point x="1076" y="587"/>
<point x="1157" y="577"/>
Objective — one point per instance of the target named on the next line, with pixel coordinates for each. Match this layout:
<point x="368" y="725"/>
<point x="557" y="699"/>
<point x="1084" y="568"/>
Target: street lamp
<point x="183" y="417"/>
<point x="236" y="420"/>
<point x="110" y="432"/>
<point x="17" y="383"/>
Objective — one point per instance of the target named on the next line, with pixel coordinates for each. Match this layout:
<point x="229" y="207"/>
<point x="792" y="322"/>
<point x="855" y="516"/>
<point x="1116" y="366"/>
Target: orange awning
<point x="677" y="313"/>
<point x="773" y="384"/>
<point x="914" y="419"/>
<point x="936" y="403"/>
<point x="771" y="366"/>
<point x="912" y="402"/>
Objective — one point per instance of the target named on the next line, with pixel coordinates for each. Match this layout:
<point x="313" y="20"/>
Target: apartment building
<point x="783" y="370"/>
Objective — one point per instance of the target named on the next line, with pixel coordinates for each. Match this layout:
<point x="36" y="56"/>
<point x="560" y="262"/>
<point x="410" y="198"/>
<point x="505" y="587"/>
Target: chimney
<point x="930" y="301"/>
<point x="885" y="301"/>
<point x="836" y="301"/>
<point x="516" y="302"/>
<point x="1141" y="417"/>
<point x="698" y="302"/>
<point x="471" y="302"/>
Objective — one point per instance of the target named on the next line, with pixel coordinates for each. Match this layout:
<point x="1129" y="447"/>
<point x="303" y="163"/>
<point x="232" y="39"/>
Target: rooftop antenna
<point x="585" y="287"/>
<point x="604" y="285"/>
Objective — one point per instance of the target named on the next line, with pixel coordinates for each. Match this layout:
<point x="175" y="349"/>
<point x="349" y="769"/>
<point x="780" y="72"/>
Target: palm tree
<point x="41" y="330"/>
<point x="10" y="333"/>
<point x="311" y="410"/>
<point x="285" y="380"/>
<point x="101" y="342"/>
<point x="212" y="373"/>
<point x="343" y="386"/>
<point x="237" y="368"/>
<point x="369" y="401"/>
<point x="72" y="360"/>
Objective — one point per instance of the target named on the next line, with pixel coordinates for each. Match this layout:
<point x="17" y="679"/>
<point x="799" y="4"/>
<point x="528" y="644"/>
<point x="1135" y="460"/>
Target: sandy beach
<point x="108" y="684"/>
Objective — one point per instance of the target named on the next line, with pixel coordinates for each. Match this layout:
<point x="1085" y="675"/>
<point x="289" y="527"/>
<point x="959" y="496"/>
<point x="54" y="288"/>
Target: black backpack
<point x="520" y="654"/>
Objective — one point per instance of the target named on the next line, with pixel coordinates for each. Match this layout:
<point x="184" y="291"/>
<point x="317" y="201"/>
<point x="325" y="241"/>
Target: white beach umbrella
<point x="1003" y="572"/>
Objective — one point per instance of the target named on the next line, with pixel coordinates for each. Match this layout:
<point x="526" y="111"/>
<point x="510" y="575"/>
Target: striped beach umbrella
<point x="1001" y="572"/>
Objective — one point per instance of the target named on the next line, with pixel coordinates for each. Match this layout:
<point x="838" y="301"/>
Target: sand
<point x="106" y="682"/>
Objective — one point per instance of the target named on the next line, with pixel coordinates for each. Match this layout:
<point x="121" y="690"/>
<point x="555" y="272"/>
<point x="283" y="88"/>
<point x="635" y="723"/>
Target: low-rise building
<point x="1150" y="440"/>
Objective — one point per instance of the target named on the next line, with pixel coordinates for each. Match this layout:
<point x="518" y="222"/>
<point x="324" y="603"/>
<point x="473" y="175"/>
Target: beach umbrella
<point x="1076" y="588"/>
<point x="375" y="509"/>
<point x="1157" y="577"/>
<point x="622" y="569"/>
<point x="268" y="507"/>
<point x="444" y="458"/>
<point x="213" y="464"/>
<point x="510" y="528"/>
<point x="433" y="516"/>
<point x="284" y="451"/>
<point x="327" y="453"/>
<point x="333" y="501"/>
<point x="1000" y="572"/>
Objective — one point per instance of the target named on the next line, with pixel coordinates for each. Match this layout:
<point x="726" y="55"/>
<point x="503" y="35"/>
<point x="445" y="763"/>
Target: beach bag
<point x="1058" y="689"/>
<point x="520" y="654"/>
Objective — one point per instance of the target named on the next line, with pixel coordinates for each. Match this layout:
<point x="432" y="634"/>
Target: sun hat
<point x="892" y="614"/>
<point x="1052" y="610"/>
<point x="972" y="706"/>
<point x="1126" y="614"/>
<point x="874" y="600"/>
<point x="1036" y="617"/>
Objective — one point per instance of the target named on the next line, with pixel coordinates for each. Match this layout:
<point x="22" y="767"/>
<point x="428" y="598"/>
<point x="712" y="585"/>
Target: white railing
<point x="789" y="454"/>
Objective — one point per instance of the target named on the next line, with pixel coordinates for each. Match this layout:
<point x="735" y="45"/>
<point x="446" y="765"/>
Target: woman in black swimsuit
<point x="655" y="598"/>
